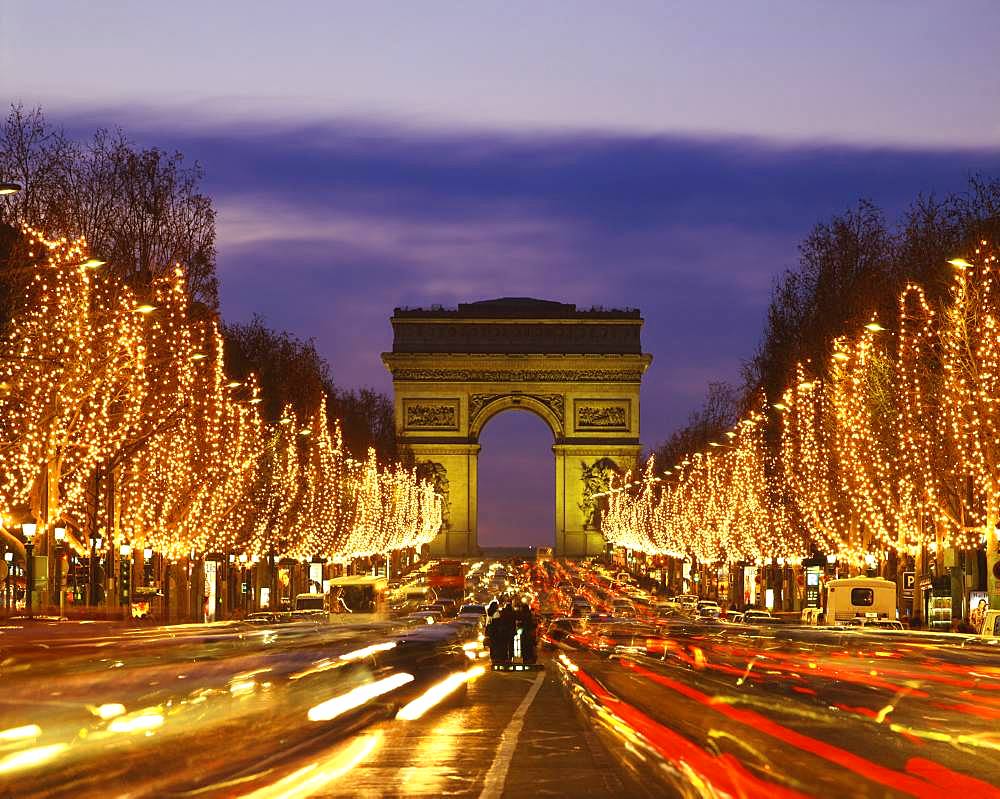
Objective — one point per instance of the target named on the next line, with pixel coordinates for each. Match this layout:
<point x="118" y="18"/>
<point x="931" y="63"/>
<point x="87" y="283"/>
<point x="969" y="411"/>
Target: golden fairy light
<point x="105" y="390"/>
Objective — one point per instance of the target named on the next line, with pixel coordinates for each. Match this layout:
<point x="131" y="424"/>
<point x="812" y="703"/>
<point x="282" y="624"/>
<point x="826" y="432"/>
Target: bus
<point x="447" y="578"/>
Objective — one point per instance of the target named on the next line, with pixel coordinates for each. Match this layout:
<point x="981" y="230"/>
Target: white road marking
<point x="496" y="777"/>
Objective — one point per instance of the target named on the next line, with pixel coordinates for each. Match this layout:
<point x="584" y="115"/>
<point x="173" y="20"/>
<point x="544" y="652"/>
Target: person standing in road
<point x="506" y="630"/>
<point x="526" y="621"/>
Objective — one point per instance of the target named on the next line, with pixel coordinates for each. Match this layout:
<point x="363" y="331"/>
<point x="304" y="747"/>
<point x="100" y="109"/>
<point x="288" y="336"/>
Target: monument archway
<point x="580" y="371"/>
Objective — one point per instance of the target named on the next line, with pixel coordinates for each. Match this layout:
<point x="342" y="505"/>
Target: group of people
<point x="505" y="622"/>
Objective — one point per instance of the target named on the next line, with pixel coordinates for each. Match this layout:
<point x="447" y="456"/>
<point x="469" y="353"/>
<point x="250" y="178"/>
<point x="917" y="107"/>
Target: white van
<point x="868" y="597"/>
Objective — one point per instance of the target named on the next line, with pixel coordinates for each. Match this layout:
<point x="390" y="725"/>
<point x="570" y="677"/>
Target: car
<point x="263" y="618"/>
<point x="875" y="624"/>
<point x="733" y="618"/>
<point x="560" y="629"/>
<point x="758" y="616"/>
<point x="431" y="607"/>
<point x="687" y="601"/>
<point x="425" y="617"/>
<point x="580" y="609"/>
<point x="448" y="605"/>
<point x="665" y="609"/>
<point x="472" y="611"/>
<point x="811" y="617"/>
<point x="709" y="608"/>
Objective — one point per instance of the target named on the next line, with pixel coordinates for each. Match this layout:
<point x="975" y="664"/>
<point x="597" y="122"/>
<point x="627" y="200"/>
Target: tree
<point x="970" y="353"/>
<point x="73" y="364"/>
<point x="717" y="414"/>
<point x="292" y="373"/>
<point x="141" y="210"/>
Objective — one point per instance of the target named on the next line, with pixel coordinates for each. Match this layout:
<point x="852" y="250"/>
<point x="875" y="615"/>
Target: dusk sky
<point x="663" y="156"/>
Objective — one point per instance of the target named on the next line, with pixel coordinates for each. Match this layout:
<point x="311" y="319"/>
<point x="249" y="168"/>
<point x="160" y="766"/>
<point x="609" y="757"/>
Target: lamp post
<point x="9" y="187"/>
<point x="9" y="560"/>
<point x="60" y="536"/>
<point x="28" y="529"/>
<point x="125" y="578"/>
<point x="96" y="543"/>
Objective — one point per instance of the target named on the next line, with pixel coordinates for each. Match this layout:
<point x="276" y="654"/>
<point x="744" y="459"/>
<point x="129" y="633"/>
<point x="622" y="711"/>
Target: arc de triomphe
<point x="580" y="371"/>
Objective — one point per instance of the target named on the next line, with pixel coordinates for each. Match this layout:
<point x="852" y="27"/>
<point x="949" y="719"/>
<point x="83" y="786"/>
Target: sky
<point x="666" y="156"/>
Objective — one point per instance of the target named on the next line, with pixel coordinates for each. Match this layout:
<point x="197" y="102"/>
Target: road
<point x="381" y="708"/>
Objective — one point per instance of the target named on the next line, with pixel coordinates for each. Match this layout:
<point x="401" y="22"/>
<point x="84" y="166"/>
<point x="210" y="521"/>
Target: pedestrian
<point x="978" y="616"/>
<point x="506" y="630"/>
<point x="493" y="638"/>
<point x="526" y="622"/>
<point x="915" y="622"/>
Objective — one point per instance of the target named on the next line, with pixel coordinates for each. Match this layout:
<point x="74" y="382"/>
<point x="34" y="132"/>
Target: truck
<point x="867" y="597"/>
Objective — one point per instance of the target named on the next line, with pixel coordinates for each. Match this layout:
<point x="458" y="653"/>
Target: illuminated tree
<point x="970" y="402"/>
<point x="73" y="366"/>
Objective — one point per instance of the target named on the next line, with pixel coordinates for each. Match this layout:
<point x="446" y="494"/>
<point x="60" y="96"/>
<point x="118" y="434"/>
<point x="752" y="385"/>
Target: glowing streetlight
<point x="28" y="529"/>
<point x="9" y="187"/>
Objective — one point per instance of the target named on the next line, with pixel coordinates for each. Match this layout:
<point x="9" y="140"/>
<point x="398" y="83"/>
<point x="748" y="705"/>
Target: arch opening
<point x="516" y="480"/>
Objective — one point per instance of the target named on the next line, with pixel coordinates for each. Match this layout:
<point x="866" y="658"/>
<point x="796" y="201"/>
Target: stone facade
<point x="519" y="354"/>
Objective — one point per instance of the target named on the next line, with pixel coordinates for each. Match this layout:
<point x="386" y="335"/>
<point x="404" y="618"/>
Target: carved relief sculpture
<point x="596" y="478"/>
<point x="438" y="475"/>
<point x="602" y="415"/>
<point x="429" y="415"/>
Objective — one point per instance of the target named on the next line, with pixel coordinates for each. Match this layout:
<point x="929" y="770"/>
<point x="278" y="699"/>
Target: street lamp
<point x="9" y="559"/>
<point x="9" y="187"/>
<point x="60" y="536"/>
<point x="125" y="578"/>
<point x="96" y="543"/>
<point x="28" y="529"/>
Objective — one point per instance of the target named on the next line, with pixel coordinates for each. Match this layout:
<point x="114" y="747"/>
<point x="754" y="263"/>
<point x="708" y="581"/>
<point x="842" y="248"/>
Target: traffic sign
<point x="909" y="579"/>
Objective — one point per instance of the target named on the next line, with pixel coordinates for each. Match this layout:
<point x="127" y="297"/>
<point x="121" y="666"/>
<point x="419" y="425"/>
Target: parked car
<point x="757" y="616"/>
<point x="734" y="617"/>
<point x="812" y="616"/>
<point x="263" y="618"/>
<point x="875" y="624"/>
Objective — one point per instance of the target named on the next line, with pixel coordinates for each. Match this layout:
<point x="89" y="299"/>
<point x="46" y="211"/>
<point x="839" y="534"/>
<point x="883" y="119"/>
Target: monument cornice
<point x="516" y="368"/>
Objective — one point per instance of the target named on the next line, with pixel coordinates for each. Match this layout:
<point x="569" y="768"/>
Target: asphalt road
<point x="634" y="707"/>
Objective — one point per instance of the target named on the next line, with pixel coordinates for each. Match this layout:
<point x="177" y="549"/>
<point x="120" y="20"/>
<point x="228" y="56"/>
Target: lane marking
<point x="496" y="777"/>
